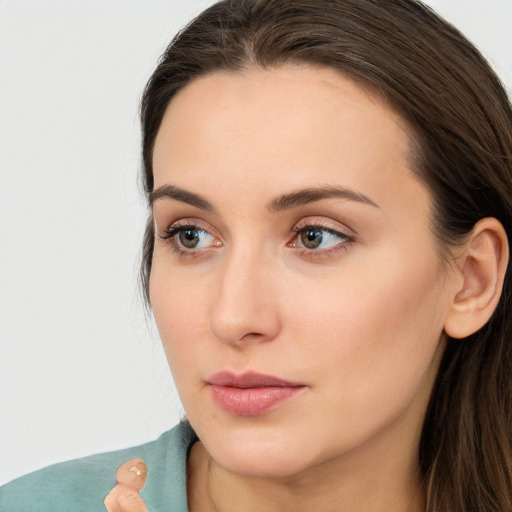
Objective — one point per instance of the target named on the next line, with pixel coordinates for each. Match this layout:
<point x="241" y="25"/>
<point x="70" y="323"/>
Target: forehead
<point x="299" y="125"/>
<point x="297" y="90"/>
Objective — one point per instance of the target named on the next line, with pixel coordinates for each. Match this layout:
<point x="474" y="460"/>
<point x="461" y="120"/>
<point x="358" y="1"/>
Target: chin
<point x="259" y="452"/>
<point x="264" y="464"/>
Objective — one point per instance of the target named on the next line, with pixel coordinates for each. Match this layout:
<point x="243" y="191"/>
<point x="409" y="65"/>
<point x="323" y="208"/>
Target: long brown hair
<point x="461" y="124"/>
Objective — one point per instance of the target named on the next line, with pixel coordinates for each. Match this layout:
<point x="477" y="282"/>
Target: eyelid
<point x="347" y="237"/>
<point x="327" y="224"/>
<point x="188" y="222"/>
<point x="171" y="233"/>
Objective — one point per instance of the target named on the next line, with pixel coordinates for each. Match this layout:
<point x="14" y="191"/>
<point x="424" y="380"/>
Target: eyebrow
<point x="178" y="194"/>
<point x="283" y="202"/>
<point x="310" y="195"/>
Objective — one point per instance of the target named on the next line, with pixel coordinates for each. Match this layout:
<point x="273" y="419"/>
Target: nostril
<point x="251" y="336"/>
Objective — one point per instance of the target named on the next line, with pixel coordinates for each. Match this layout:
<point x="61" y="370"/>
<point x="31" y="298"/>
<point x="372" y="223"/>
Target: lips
<point x="250" y="394"/>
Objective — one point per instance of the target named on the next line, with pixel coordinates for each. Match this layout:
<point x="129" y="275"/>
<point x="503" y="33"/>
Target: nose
<point x="245" y="307"/>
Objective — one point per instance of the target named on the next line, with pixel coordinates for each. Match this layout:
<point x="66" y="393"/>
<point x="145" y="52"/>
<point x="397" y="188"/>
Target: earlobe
<point x="481" y="265"/>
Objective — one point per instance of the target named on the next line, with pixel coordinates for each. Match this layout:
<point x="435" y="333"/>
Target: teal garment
<point x="82" y="484"/>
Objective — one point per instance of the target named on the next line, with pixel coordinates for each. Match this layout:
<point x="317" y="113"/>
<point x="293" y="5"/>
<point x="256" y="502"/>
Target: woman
<point x="326" y="257"/>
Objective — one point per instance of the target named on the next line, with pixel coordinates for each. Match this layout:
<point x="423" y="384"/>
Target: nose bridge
<point x="244" y="305"/>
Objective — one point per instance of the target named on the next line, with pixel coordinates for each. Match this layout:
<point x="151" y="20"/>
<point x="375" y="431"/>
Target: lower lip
<point x="252" y="401"/>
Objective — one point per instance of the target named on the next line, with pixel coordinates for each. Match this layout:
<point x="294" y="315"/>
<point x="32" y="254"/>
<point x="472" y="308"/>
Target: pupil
<point x="189" y="238"/>
<point x="311" y="238"/>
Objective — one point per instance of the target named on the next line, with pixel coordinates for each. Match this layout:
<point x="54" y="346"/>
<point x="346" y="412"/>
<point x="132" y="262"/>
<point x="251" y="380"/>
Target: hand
<point x="125" y="497"/>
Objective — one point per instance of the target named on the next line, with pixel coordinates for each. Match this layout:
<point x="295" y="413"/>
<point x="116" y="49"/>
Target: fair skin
<point x="355" y="318"/>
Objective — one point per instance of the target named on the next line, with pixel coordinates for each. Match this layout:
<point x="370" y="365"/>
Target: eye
<point x="189" y="238"/>
<point x="193" y="238"/>
<point x="317" y="238"/>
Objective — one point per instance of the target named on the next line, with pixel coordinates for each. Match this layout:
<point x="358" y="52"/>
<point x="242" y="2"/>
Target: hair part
<point x="461" y="126"/>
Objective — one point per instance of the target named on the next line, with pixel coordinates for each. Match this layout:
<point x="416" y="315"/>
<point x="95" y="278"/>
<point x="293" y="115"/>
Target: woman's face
<point x="295" y="282"/>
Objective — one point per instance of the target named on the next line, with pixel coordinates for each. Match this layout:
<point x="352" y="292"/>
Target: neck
<point x="347" y="485"/>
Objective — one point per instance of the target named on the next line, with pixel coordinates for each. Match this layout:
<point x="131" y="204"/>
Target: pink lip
<point x="250" y="394"/>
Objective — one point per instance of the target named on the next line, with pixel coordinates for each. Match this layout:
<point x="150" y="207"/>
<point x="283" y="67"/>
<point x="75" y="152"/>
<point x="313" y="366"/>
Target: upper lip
<point x="249" y="380"/>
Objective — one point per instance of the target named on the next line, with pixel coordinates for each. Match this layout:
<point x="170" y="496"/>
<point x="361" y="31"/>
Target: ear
<point x="481" y="267"/>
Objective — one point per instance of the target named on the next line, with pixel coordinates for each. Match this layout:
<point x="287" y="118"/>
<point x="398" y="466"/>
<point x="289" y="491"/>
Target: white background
<point x="81" y="370"/>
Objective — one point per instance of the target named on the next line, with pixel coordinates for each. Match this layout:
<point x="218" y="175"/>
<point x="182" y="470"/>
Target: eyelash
<point x="170" y="238"/>
<point x="345" y="240"/>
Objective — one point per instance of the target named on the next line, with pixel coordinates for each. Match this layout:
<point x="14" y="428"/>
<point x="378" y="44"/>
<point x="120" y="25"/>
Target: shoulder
<point x="82" y="484"/>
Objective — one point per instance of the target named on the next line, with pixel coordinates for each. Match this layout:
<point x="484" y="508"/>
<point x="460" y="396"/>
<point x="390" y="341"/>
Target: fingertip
<point x="133" y="474"/>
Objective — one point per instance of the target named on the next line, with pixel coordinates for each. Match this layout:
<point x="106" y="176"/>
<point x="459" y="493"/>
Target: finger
<point x="132" y="474"/>
<point x="124" y="499"/>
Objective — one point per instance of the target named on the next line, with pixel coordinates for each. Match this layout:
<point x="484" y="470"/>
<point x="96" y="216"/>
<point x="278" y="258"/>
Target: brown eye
<point x="189" y="238"/>
<point x="320" y="239"/>
<point x="311" y="238"/>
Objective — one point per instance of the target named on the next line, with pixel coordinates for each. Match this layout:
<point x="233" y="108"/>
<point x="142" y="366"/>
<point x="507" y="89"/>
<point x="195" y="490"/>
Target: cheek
<point x="373" y="332"/>
<point x="181" y="309"/>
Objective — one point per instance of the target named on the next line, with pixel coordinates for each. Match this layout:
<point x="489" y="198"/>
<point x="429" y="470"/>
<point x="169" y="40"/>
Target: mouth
<point x="251" y="394"/>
